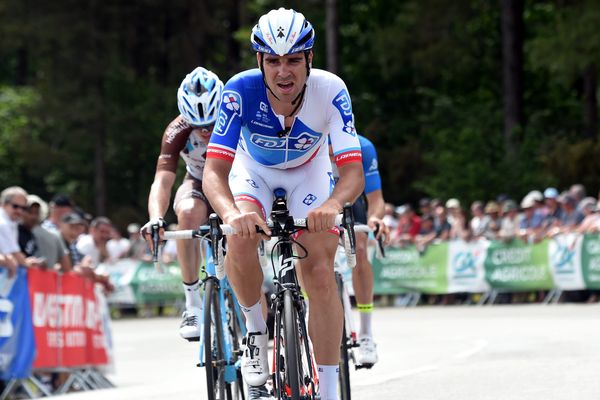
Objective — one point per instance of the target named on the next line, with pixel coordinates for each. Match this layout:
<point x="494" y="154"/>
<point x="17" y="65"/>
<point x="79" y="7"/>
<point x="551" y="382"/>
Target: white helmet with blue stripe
<point x="282" y="32"/>
<point x="199" y="97"/>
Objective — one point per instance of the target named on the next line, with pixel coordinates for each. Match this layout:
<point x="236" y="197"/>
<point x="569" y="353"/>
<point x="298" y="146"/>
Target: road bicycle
<point x="223" y="327"/>
<point x="349" y="336"/>
<point x="294" y="375"/>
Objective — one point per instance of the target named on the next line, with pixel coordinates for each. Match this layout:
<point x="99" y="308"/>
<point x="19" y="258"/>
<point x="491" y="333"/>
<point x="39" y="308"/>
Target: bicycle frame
<point x="224" y="290"/>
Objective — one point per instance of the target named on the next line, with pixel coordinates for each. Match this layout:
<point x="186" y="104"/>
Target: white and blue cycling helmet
<point x="199" y="97"/>
<point x="282" y="32"/>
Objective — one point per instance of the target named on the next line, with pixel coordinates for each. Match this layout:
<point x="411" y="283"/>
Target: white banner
<point x="466" y="266"/>
<point x="564" y="254"/>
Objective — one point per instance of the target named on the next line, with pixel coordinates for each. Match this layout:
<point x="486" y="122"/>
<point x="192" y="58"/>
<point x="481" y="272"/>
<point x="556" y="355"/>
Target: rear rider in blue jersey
<point x="368" y="209"/>
<point x="271" y="132"/>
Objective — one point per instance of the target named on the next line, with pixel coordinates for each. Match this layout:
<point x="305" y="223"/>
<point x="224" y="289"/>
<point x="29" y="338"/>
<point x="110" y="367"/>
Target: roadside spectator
<point x="138" y="248"/>
<point x="553" y="212"/>
<point x="117" y="246"/>
<point x="440" y="222"/>
<point x="452" y="208"/>
<point x="427" y="233"/>
<point x="577" y="191"/>
<point x="571" y="217"/>
<point x="425" y="207"/>
<point x="390" y="217"/>
<point x="14" y="203"/>
<point x="39" y="242"/>
<point x="477" y="219"/>
<point x="70" y="228"/>
<point x="94" y="243"/>
<point x="530" y="226"/>
<point x="60" y="205"/>
<point x="591" y="220"/>
<point x="459" y="227"/>
<point x="409" y="225"/>
<point x="492" y="220"/>
<point x="509" y="226"/>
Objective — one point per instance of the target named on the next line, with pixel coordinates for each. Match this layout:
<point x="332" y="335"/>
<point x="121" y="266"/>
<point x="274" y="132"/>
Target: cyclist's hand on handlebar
<point x="322" y="218"/>
<point x="245" y="224"/>
<point x="383" y="231"/>
<point x="147" y="229"/>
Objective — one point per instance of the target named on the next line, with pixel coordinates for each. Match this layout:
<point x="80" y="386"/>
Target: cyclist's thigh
<point x="248" y="184"/>
<point x="190" y="204"/>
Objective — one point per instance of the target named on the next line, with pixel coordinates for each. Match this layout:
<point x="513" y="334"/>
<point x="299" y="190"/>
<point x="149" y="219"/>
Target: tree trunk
<point x="512" y="70"/>
<point x="590" y="101"/>
<point x="333" y="35"/>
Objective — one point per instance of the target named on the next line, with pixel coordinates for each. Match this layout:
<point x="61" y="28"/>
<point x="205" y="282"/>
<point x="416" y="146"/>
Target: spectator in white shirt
<point x="94" y="243"/>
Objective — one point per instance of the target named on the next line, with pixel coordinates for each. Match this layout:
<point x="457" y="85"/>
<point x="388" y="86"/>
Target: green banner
<point x="518" y="267"/>
<point x="405" y="269"/>
<point x="590" y="260"/>
<point x="157" y="287"/>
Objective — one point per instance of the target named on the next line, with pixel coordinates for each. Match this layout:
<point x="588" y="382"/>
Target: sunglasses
<point x="18" y="206"/>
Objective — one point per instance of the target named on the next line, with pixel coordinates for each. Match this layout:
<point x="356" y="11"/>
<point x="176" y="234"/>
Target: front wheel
<point x="344" y="375"/>
<point x="214" y="360"/>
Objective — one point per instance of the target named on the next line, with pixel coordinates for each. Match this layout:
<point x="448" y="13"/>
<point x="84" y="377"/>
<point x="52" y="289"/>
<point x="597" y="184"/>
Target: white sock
<point x="365" y="311"/>
<point x="328" y="381"/>
<point x="192" y="295"/>
<point x="255" y="322"/>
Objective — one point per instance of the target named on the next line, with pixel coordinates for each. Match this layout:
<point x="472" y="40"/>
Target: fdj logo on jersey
<point x="302" y="142"/>
<point x="232" y="102"/>
<point x="463" y="265"/>
<point x="344" y="106"/>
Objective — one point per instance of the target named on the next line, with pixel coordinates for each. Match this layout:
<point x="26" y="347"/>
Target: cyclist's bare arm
<point x="215" y="185"/>
<point x="347" y="189"/>
<point x="376" y="212"/>
<point x="160" y="193"/>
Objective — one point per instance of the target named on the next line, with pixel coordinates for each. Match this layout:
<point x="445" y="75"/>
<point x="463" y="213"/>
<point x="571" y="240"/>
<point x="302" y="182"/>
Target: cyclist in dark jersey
<point x="187" y="136"/>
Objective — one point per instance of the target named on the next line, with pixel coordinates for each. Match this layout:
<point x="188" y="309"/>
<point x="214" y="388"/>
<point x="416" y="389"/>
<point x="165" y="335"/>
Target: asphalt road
<point x="529" y="352"/>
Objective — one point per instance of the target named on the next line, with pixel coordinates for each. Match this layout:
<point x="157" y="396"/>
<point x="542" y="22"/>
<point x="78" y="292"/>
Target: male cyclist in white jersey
<point x="187" y="136"/>
<point x="272" y="132"/>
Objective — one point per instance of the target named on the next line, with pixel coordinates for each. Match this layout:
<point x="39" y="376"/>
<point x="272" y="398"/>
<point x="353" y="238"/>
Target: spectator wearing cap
<point x="552" y="210"/>
<point x="409" y="225"/>
<point x="477" y="219"/>
<point x="571" y="217"/>
<point x="425" y="207"/>
<point x="440" y="222"/>
<point x="94" y="243"/>
<point x="509" y="226"/>
<point x="117" y="246"/>
<point x="452" y="207"/>
<point x="14" y="203"/>
<point x="60" y="205"/>
<point x="427" y="233"/>
<point x="138" y="248"/>
<point x="37" y="242"/>
<point x="459" y="227"/>
<point x="530" y="226"/>
<point x="578" y="192"/>
<point x="71" y="227"/>
<point x="492" y="220"/>
<point x="591" y="220"/>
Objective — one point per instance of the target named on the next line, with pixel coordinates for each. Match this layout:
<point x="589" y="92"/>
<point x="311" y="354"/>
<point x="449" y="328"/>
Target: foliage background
<point x="86" y="89"/>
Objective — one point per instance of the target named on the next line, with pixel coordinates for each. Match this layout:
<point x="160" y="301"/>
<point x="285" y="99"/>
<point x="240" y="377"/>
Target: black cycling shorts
<point x="359" y="208"/>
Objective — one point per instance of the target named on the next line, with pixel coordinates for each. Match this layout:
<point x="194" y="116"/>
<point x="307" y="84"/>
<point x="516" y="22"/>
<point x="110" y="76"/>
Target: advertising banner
<point x="517" y="266"/>
<point x="565" y="261"/>
<point x="67" y="320"/>
<point x="590" y="260"/>
<point x="405" y="268"/>
<point x="466" y="261"/>
<point x="17" y="346"/>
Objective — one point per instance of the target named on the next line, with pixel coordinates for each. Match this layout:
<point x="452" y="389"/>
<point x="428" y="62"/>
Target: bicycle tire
<point x="290" y="330"/>
<point x="235" y="390"/>
<point x="214" y="362"/>
<point x="344" y="374"/>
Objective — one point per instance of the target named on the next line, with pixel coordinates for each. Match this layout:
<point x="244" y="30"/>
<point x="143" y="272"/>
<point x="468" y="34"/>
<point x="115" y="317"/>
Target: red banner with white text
<point x="67" y="320"/>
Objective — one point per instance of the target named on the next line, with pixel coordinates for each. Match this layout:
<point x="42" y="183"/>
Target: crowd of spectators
<point x="536" y="216"/>
<point x="60" y="235"/>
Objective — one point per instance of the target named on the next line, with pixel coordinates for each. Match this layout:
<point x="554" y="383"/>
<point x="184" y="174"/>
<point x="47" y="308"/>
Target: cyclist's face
<point x="204" y="132"/>
<point x="285" y="75"/>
